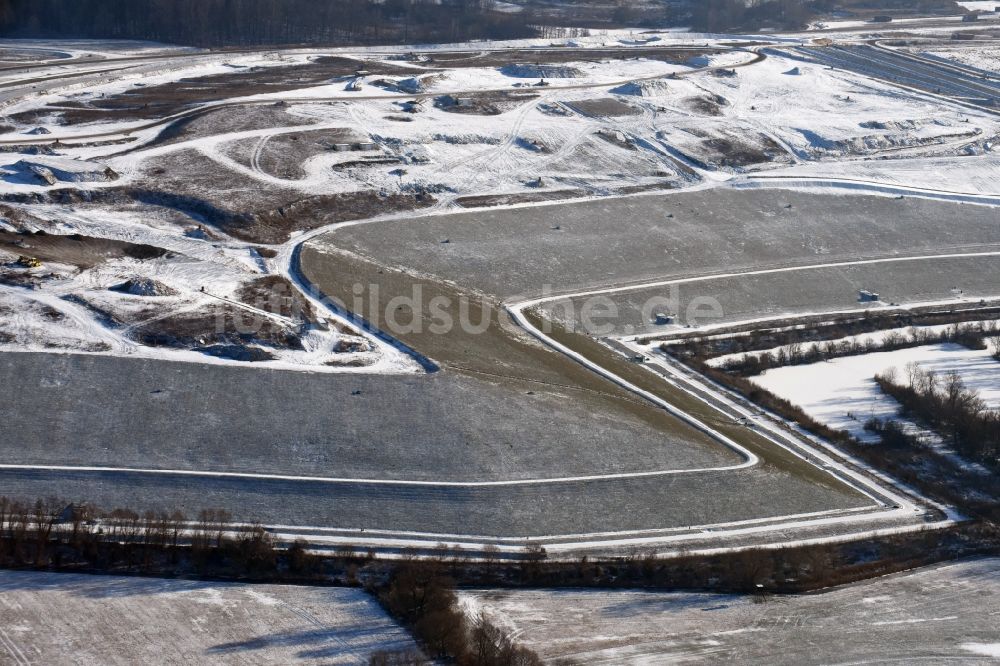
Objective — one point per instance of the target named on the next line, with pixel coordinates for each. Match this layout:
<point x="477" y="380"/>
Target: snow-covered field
<point x="985" y="57"/>
<point x="51" y="618"/>
<point x="975" y="175"/>
<point x="942" y="614"/>
<point x="978" y="5"/>
<point x="842" y="393"/>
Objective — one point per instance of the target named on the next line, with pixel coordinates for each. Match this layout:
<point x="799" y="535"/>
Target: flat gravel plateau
<point x="106" y="411"/>
<point x="517" y="252"/>
<point x="251" y="421"/>
<point x="778" y="294"/>
<point x="550" y="510"/>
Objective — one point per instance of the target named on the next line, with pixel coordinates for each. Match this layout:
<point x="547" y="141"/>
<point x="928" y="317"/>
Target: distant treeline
<point x="730" y="15"/>
<point x="262" y="22"/>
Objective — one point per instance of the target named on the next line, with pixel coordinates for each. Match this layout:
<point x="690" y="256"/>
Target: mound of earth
<point x="215" y="326"/>
<point x="276" y="294"/>
<point x="603" y="107"/>
<point x="411" y="86"/>
<point x="709" y="105"/>
<point x="144" y="287"/>
<point x="902" y="125"/>
<point x="74" y="249"/>
<point x="539" y="71"/>
<point x="51" y="170"/>
<point x="483" y="104"/>
<point x="642" y="88"/>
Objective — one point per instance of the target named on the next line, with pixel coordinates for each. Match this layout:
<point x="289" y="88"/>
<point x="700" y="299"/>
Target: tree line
<point x="970" y="335"/>
<point x="422" y="596"/>
<point x="212" y="23"/>
<point x="950" y="408"/>
<point x="419" y="588"/>
<point x="729" y="15"/>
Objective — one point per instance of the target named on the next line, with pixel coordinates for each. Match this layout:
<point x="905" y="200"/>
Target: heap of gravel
<point x="642" y="88"/>
<point x="144" y="287"/>
<point x="538" y="71"/>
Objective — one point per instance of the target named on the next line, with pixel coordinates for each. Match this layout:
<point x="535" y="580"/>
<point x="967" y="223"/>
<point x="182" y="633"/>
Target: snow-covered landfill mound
<point x="538" y="71"/>
<point x="651" y="88"/>
<point x="50" y="170"/>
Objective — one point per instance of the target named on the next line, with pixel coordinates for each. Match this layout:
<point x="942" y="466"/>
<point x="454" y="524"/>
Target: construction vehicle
<point x="28" y="262"/>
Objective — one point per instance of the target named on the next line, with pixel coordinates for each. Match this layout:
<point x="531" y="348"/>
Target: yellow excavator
<point x="29" y="262"/>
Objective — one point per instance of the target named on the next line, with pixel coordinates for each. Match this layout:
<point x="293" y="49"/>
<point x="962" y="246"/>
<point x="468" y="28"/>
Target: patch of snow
<point x="979" y="5"/>
<point x="842" y="394"/>
<point x="985" y="649"/>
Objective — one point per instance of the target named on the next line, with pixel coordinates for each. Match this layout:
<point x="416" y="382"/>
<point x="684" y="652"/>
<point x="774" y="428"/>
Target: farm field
<point x="934" y="615"/>
<point x="84" y="619"/>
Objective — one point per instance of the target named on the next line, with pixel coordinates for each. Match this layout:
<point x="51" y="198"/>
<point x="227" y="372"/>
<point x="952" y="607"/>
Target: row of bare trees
<point x="949" y="407"/>
<point x="726" y="15"/>
<point x="421" y="596"/>
<point x="53" y="533"/>
<point x="971" y="335"/>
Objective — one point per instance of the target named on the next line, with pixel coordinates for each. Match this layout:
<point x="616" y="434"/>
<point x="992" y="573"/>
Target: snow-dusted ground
<point x="202" y="275"/>
<point x="589" y="134"/>
<point x="51" y="618"/>
<point x="601" y="127"/>
<point x="976" y="175"/>
<point x="936" y="615"/>
<point x="978" y="5"/>
<point x="983" y="56"/>
<point x="842" y="393"/>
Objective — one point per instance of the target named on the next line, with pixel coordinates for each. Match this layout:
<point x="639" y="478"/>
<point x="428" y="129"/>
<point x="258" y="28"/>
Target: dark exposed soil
<point x="82" y="251"/>
<point x="247" y="354"/>
<point x="649" y="187"/>
<point x="21" y="279"/>
<point x="224" y="120"/>
<point x="485" y="200"/>
<point x="607" y="107"/>
<point x="706" y="105"/>
<point x="159" y="101"/>
<point x="484" y="104"/>
<point x="268" y="226"/>
<point x="734" y="153"/>
<point x="220" y="324"/>
<point x="276" y="294"/>
<point x="248" y="210"/>
<point x="282" y="155"/>
<point x="275" y="225"/>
